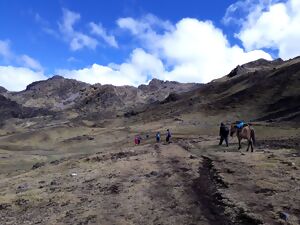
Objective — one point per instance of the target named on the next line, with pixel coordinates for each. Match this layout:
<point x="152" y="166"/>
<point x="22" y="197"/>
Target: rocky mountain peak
<point x="57" y="77"/>
<point x="2" y="90"/>
<point x="260" y="64"/>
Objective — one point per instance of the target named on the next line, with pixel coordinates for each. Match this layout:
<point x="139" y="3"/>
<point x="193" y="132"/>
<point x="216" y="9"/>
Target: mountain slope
<point x="262" y="91"/>
<point x="65" y="95"/>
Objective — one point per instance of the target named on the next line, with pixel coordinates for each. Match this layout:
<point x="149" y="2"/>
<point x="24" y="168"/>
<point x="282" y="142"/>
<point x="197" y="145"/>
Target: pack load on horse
<point x="243" y="131"/>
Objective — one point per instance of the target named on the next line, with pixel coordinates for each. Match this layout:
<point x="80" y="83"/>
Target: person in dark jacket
<point x="168" y="136"/>
<point x="157" y="137"/>
<point x="224" y="132"/>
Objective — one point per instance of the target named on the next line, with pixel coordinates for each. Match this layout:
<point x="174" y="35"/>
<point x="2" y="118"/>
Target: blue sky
<point x="128" y="42"/>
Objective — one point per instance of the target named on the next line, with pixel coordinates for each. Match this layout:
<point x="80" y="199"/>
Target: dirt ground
<point x="96" y="175"/>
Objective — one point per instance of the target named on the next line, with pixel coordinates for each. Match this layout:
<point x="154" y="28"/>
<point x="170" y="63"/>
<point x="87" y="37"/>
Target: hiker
<point x="136" y="140"/>
<point x="168" y="137"/>
<point x="157" y="137"/>
<point x="224" y="132"/>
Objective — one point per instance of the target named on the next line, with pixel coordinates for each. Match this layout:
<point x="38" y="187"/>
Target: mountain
<point x="259" y="90"/>
<point x="59" y="94"/>
<point x="56" y="93"/>
<point x="2" y="90"/>
<point x="11" y="109"/>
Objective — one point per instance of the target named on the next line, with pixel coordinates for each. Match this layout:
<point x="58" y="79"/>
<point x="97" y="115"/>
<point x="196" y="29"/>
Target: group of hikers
<point x="138" y="138"/>
<point x="242" y="130"/>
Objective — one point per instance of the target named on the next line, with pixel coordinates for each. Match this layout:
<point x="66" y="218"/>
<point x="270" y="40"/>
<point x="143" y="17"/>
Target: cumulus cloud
<point x="99" y="30"/>
<point x="270" y="24"/>
<point x="192" y="50"/>
<point x="147" y="29"/>
<point x="133" y="72"/>
<point x="17" y="78"/>
<point x="77" y="40"/>
<point x="189" y="51"/>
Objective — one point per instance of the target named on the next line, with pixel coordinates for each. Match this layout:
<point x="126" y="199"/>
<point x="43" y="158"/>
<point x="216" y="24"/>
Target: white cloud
<point x="134" y="72"/>
<point x="77" y="40"/>
<point x="11" y="58"/>
<point x="29" y="62"/>
<point x="145" y="25"/>
<point x="235" y="13"/>
<point x="99" y="30"/>
<point x="190" y="51"/>
<point x="193" y="50"/>
<point x="17" y="78"/>
<point x="5" y="51"/>
<point x="275" y="25"/>
<point x="146" y="29"/>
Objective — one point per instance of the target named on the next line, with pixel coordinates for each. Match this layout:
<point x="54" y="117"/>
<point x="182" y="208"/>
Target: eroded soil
<point x="190" y="181"/>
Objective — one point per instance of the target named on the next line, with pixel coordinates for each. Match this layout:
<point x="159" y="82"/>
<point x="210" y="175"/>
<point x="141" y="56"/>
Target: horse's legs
<point x="239" y="143"/>
<point x="251" y="146"/>
<point x="249" y="143"/>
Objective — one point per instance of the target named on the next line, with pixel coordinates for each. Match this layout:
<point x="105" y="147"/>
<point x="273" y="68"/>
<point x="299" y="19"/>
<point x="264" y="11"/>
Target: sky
<point x="130" y="42"/>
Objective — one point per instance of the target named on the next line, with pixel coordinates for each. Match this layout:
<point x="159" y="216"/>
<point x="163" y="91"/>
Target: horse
<point x="245" y="132"/>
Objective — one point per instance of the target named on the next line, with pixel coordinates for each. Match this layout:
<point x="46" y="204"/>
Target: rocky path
<point x="158" y="184"/>
<point x="151" y="184"/>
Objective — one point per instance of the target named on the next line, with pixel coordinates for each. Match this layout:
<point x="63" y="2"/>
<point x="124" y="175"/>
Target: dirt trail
<point x="151" y="184"/>
<point x="158" y="184"/>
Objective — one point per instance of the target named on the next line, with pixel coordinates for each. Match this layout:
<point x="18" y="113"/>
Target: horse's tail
<point x="253" y="136"/>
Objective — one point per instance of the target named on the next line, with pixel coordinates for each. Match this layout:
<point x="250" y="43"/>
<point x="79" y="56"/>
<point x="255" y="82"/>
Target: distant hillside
<point x="260" y="90"/>
<point x="11" y="109"/>
<point x="64" y="95"/>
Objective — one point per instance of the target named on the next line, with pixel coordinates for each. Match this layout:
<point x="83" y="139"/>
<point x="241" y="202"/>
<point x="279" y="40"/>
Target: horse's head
<point x="233" y="129"/>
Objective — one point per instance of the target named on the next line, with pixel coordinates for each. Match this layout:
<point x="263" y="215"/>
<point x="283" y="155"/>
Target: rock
<point x="114" y="189"/>
<point x="54" y="182"/>
<point x="154" y="173"/>
<point x="192" y="157"/>
<point x="295" y="167"/>
<point x="38" y="165"/>
<point x="55" y="162"/>
<point x="230" y="171"/>
<point x="4" y="206"/>
<point x="284" y="216"/>
<point x="22" y="188"/>
<point x="21" y="202"/>
<point x="74" y="174"/>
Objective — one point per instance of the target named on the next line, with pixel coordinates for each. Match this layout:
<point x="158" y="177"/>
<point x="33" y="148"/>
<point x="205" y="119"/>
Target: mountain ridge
<point x="260" y="85"/>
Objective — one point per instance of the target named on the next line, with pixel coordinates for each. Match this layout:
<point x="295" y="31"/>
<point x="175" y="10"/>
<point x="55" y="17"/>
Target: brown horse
<point x="244" y="133"/>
